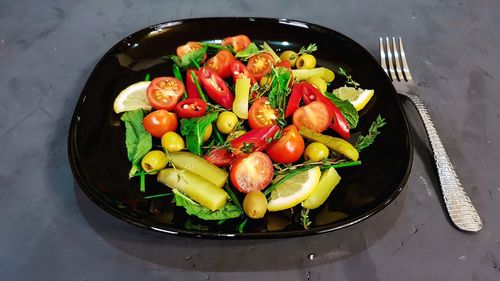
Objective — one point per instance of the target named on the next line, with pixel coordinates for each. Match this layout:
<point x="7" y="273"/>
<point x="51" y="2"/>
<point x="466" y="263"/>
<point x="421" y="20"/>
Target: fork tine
<point x="383" y="62"/>
<point x="406" y="69"/>
<point x="396" y="60"/>
<point x="389" y="59"/>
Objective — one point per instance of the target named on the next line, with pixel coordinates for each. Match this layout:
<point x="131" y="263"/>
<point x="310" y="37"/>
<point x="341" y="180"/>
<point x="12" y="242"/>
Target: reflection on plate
<point x="98" y="155"/>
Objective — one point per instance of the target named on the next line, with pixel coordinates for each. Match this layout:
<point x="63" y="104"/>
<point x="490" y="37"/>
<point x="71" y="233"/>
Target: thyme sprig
<point x="364" y="141"/>
<point x="347" y="76"/>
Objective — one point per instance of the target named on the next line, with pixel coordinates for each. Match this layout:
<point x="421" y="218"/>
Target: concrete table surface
<point x="49" y="230"/>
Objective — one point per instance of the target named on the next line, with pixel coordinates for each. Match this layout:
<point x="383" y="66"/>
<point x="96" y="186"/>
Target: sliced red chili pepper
<point x="239" y="70"/>
<point x="294" y="101"/>
<point x="254" y="140"/>
<point x="220" y="157"/>
<point x="191" y="89"/>
<point x="191" y="107"/>
<point x="310" y="94"/>
<point x="216" y="88"/>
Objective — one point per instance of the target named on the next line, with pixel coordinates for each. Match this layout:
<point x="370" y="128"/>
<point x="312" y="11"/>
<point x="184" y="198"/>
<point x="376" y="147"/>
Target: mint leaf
<point x="137" y="140"/>
<point x="192" y="208"/>
<point x="194" y="128"/>
<point x="348" y="110"/>
<point x="249" y="51"/>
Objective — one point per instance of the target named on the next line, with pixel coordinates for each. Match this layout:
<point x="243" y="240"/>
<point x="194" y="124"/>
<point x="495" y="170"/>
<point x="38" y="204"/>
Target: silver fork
<point x="460" y="208"/>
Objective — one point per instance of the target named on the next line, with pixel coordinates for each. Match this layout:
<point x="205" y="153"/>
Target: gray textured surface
<point x="51" y="231"/>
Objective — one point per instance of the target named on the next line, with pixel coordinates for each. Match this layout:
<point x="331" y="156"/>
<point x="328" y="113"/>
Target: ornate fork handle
<point x="458" y="204"/>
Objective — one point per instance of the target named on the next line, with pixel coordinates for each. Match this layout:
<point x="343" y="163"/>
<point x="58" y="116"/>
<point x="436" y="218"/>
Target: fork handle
<point x="460" y="208"/>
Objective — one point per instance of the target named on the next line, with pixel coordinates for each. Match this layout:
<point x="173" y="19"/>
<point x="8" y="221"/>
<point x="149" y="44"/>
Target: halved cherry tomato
<point x="315" y="116"/>
<point x="192" y="90"/>
<point x="220" y="157"/>
<point x="240" y="71"/>
<point x="191" y="107"/>
<point x="311" y="94"/>
<point x="261" y="114"/>
<point x="158" y="122"/>
<point x="221" y="63"/>
<point x="238" y="43"/>
<point x="260" y="64"/>
<point x="288" y="148"/>
<point x="255" y="140"/>
<point x="164" y="92"/>
<point x="216" y="87"/>
<point x="253" y="172"/>
<point x="189" y="47"/>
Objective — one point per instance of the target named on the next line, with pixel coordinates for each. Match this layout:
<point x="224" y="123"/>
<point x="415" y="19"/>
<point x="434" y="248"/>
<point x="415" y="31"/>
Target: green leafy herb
<point x="241" y="226"/>
<point x="148" y="77"/>
<point x="365" y="141"/>
<point x="249" y="51"/>
<point x="279" y="91"/>
<point x="310" y="48"/>
<point x="191" y="59"/>
<point x="232" y="196"/>
<point x="158" y="195"/>
<point x="247" y="148"/>
<point x="304" y="218"/>
<point x="348" y="110"/>
<point x="193" y="129"/>
<point x="217" y="47"/>
<point x="137" y="140"/>
<point x="229" y="211"/>
<point x="349" y="81"/>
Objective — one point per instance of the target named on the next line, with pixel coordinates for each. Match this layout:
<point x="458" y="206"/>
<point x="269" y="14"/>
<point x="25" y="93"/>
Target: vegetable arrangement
<point x="239" y="121"/>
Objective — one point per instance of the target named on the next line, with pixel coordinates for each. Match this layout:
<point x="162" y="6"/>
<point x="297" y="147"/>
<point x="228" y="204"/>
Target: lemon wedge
<point x="294" y="190"/>
<point x="133" y="97"/>
<point x="358" y="97"/>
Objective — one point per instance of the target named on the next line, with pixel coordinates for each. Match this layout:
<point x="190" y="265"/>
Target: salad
<point x="238" y="131"/>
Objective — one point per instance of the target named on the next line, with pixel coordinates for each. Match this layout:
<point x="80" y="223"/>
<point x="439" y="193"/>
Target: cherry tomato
<point x="189" y="47"/>
<point x="158" y="122"/>
<point x="253" y="172"/>
<point x="238" y="43"/>
<point x="164" y="92"/>
<point x="221" y="63"/>
<point x="315" y="116"/>
<point x="220" y="157"/>
<point x="261" y="114"/>
<point x="260" y="64"/>
<point x="288" y="148"/>
<point x="191" y="107"/>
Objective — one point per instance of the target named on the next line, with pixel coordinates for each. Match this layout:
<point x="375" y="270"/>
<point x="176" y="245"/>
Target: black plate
<point x="97" y="151"/>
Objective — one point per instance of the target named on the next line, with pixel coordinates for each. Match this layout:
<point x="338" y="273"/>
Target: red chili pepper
<point x="191" y="89"/>
<point x="239" y="70"/>
<point x="258" y="139"/>
<point x="191" y="107"/>
<point x="308" y="93"/>
<point x="216" y="87"/>
<point x="294" y="101"/>
<point x="220" y="157"/>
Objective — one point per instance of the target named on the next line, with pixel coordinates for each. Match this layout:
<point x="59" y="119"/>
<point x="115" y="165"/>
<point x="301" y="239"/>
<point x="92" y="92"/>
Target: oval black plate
<point x="97" y="151"/>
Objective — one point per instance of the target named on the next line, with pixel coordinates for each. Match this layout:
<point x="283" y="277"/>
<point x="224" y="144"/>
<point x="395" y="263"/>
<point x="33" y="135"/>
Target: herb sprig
<point x="365" y="141"/>
<point x="347" y="76"/>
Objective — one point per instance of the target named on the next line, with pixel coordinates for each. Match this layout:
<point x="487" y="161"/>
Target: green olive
<point x="208" y="133"/>
<point x="226" y="121"/>
<point x="306" y="61"/>
<point x="154" y="160"/>
<point x="172" y="142"/>
<point x="255" y="204"/>
<point x="318" y="83"/>
<point x="316" y="151"/>
<point x="290" y="56"/>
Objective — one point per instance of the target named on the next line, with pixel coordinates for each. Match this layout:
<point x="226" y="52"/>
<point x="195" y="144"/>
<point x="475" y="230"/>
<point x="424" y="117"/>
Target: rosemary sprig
<point x="304" y="218"/>
<point x="364" y="141"/>
<point x="310" y="48"/>
<point x="349" y="81"/>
